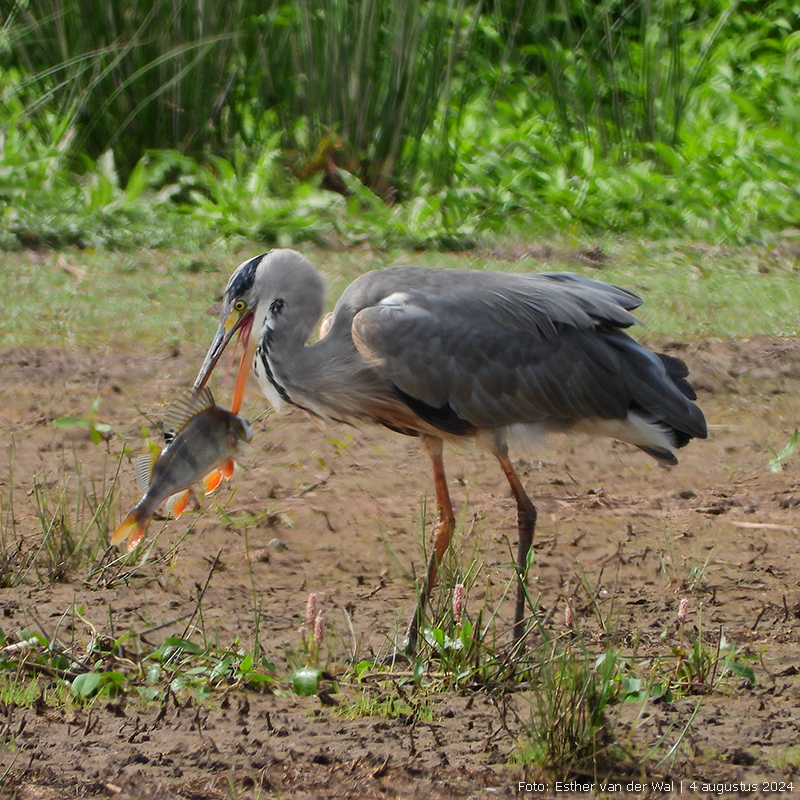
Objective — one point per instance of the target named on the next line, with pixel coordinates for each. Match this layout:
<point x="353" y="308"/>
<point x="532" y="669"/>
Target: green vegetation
<point x="568" y="690"/>
<point x="160" y="302"/>
<point x="428" y="124"/>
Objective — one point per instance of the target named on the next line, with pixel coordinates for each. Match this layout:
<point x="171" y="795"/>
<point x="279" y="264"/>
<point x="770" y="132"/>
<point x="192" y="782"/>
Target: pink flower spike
<point x="319" y="630"/>
<point x="311" y="610"/>
<point x="683" y="608"/>
<point x="568" y="616"/>
<point x="459" y="601"/>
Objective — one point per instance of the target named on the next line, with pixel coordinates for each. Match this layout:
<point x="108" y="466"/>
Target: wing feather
<point x="506" y="349"/>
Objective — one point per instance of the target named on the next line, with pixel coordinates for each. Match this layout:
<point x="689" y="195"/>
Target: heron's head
<point x="248" y="299"/>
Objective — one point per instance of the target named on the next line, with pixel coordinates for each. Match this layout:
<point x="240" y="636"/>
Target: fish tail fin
<point x="132" y="528"/>
<point x="211" y="481"/>
<point x="176" y="503"/>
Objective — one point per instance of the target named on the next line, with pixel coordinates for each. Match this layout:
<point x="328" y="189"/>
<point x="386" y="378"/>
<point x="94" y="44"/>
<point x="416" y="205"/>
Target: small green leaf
<point x="71" y="422"/>
<point x="435" y="637"/>
<point x="418" y="672"/>
<point x="149" y="693"/>
<point x="259" y="677"/>
<point x="186" y="645"/>
<point x="305" y="682"/>
<point x="175" y="644"/>
<point x="85" y="685"/>
<point x="742" y="671"/>
<point x="364" y="666"/>
<point x="466" y="634"/>
<point x="202" y="693"/>
<point x="776" y="463"/>
<point x="630" y="686"/>
<point x="59" y="661"/>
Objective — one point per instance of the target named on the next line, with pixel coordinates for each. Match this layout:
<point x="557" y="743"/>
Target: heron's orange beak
<point x="245" y="364"/>
<point x="243" y="325"/>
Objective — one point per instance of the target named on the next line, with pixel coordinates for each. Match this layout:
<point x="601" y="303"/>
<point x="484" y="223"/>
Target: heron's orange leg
<point x="526" y="523"/>
<point x="444" y="531"/>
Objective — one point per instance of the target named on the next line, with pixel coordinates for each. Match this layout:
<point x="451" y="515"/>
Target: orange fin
<point x="227" y="468"/>
<point x="211" y="481"/>
<point x="132" y="528"/>
<point x="135" y="538"/>
<point x="176" y="503"/>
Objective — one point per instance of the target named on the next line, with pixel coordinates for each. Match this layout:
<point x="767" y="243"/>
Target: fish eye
<point x="239" y="305"/>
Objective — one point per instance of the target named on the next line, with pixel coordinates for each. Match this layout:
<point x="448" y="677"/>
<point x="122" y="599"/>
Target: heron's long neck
<point x="287" y="369"/>
<point x="319" y="377"/>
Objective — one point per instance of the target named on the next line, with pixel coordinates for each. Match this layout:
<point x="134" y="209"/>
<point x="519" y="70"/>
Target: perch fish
<point x="203" y="440"/>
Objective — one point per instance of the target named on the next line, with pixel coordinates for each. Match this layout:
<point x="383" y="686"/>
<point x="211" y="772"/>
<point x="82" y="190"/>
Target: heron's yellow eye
<point x="239" y="306"/>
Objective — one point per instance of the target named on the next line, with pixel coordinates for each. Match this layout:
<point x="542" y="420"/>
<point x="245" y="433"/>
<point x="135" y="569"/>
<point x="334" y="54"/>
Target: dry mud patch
<point x="719" y="530"/>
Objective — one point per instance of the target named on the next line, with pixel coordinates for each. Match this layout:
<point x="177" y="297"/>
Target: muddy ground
<point x="720" y="530"/>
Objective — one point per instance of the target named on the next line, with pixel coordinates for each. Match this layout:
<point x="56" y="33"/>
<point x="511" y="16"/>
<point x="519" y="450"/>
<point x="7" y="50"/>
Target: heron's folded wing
<point x="548" y="364"/>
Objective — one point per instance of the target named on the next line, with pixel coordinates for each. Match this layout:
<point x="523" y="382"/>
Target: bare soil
<point x="619" y="539"/>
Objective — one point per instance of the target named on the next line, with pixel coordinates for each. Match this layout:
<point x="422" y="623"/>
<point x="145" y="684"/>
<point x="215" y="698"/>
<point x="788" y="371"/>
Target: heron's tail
<point x="132" y="528"/>
<point x="678" y="372"/>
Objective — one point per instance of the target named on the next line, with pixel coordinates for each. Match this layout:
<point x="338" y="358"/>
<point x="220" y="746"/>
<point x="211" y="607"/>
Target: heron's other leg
<point x="526" y="523"/>
<point x="445" y="525"/>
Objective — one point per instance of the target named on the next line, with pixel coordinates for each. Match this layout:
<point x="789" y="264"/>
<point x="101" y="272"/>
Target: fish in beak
<point x="204" y="441"/>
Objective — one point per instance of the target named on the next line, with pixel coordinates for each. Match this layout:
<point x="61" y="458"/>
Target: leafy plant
<point x="307" y="678"/>
<point x="776" y="462"/>
<point x="129" y="78"/>
<point x="258" y="200"/>
<point x="568" y="727"/>
<point x="534" y="117"/>
<point x="181" y="664"/>
<point x="98" y="431"/>
<point x="74" y="516"/>
<point x="97" y="684"/>
<point x="699" y="669"/>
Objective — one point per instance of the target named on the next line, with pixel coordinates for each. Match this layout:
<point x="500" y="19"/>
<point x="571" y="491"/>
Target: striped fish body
<point x="205" y="443"/>
<point x="204" y="440"/>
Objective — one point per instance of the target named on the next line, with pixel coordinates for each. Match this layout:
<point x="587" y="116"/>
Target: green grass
<point x="157" y="301"/>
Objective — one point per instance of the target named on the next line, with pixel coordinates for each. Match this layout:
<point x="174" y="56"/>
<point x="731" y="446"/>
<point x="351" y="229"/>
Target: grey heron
<point x="448" y="354"/>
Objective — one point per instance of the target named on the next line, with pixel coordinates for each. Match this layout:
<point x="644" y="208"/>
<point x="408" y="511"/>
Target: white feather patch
<point x="395" y="299"/>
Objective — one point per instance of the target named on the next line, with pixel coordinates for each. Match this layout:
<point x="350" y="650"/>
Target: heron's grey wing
<point x="498" y="357"/>
<point x="513" y="301"/>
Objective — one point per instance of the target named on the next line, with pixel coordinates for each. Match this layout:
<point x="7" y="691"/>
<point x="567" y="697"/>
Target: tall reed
<point x="132" y="76"/>
<point x="354" y="83"/>
<point x="617" y="71"/>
